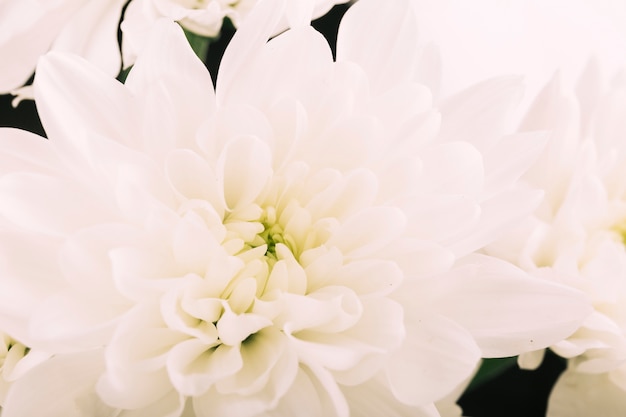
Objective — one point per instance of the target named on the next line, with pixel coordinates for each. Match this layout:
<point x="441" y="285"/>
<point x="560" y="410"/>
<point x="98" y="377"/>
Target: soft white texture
<point x="29" y="28"/>
<point x="297" y="242"/>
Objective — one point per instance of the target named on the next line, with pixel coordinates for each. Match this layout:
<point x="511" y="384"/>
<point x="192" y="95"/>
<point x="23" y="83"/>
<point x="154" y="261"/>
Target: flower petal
<point x="28" y="29"/>
<point x="75" y="98"/>
<point x="581" y="395"/>
<point x="373" y="398"/>
<point x="435" y="357"/>
<point x="531" y="313"/>
<point x="61" y="386"/>
<point x="387" y="56"/>
<point x="92" y="34"/>
<point x="188" y="100"/>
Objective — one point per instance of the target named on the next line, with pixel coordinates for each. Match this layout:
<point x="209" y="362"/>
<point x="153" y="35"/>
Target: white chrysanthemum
<point x="29" y="28"/>
<point x="296" y="242"/>
<point x="578" y="235"/>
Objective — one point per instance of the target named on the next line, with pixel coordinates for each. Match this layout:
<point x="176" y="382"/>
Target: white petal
<point x="28" y="29"/>
<point x="581" y="395"/>
<point x="374" y="399"/>
<point x="74" y="98"/>
<point x="498" y="215"/>
<point x="246" y="45"/>
<point x="370" y="277"/>
<point x="194" y="367"/>
<point x="388" y="56"/>
<point x="235" y="328"/>
<point x="436" y="356"/>
<point x="368" y="231"/>
<point x="531" y="313"/>
<point x="452" y="168"/>
<point x="24" y="151"/>
<point x="442" y="218"/>
<point x="479" y="114"/>
<point x="243" y="171"/>
<point x="72" y="320"/>
<point x="169" y="75"/>
<point x="61" y="386"/>
<point x="511" y="157"/>
<point x="49" y="205"/>
<point x="191" y="176"/>
<point x="170" y="405"/>
<point x="92" y="34"/>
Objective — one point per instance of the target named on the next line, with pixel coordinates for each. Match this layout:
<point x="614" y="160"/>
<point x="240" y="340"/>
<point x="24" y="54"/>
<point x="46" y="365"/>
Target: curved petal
<point x="174" y="88"/>
<point x="61" y="386"/>
<point x="27" y="29"/>
<point x="480" y="113"/>
<point x="373" y="398"/>
<point x="581" y="395"/>
<point x="246" y="45"/>
<point x="531" y="313"/>
<point x="387" y="56"/>
<point x="75" y="98"/>
<point x="49" y="205"/>
<point x="436" y="356"/>
<point x="92" y="34"/>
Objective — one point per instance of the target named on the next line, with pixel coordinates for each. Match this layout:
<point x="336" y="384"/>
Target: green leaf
<point x="491" y="368"/>
<point x="199" y="44"/>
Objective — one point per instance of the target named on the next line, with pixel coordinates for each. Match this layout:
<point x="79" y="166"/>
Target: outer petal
<point x="174" y="112"/>
<point x="247" y="43"/>
<point x="436" y="356"/>
<point x="387" y="56"/>
<point x="61" y="386"/>
<point x="507" y="311"/>
<point x="24" y="151"/>
<point x="582" y="395"/>
<point x="73" y="98"/>
<point x="92" y="34"/>
<point x="27" y="29"/>
<point x="373" y="398"/>
<point x="479" y="113"/>
<point x="47" y="204"/>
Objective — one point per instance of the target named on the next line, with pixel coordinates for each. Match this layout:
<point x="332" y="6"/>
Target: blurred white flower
<point x="532" y="38"/>
<point x="297" y="242"/>
<point x="29" y="28"/>
<point x="578" y="234"/>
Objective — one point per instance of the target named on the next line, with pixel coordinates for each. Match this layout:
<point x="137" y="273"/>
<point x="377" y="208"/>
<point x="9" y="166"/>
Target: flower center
<point x="620" y="229"/>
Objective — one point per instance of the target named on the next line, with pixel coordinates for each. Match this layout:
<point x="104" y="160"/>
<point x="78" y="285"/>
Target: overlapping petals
<point x="292" y="242"/>
<point x="577" y="235"/>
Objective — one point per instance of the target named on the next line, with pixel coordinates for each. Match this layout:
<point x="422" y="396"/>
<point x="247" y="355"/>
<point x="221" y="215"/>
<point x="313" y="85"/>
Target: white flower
<point x="487" y="38"/>
<point x="297" y="242"/>
<point x="29" y="28"/>
<point x="577" y="236"/>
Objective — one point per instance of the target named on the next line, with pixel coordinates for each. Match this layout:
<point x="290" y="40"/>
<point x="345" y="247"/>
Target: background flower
<point x="533" y="38"/>
<point x="29" y="28"/>
<point x="577" y="235"/>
